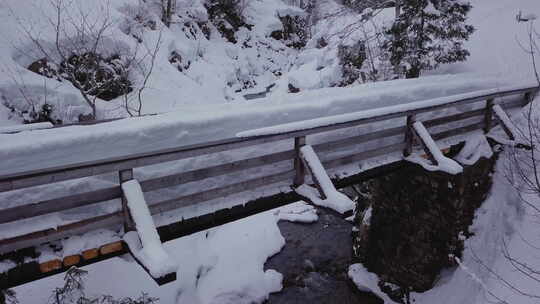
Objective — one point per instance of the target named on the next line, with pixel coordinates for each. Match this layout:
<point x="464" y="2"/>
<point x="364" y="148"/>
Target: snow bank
<point x="443" y="163"/>
<point x="502" y="137"/>
<point x="338" y="202"/>
<point x="224" y="265"/>
<point x="334" y="199"/>
<point x="476" y="147"/>
<point x="300" y="212"/>
<point x="145" y="244"/>
<point x="367" y="281"/>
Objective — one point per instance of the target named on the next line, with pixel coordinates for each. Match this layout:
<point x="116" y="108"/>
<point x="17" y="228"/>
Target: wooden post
<point x="299" y="168"/>
<point x="505" y="121"/>
<point x="528" y="97"/>
<point x="316" y="176"/>
<point x="409" y="136"/>
<point x="426" y="149"/>
<point x="397" y="35"/>
<point x="124" y="176"/>
<point x="488" y="118"/>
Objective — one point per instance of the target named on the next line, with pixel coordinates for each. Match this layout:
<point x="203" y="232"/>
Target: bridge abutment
<point x="415" y="221"/>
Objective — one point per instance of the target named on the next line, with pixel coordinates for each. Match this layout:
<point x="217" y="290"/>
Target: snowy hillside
<point x="499" y="45"/>
<point x="195" y="63"/>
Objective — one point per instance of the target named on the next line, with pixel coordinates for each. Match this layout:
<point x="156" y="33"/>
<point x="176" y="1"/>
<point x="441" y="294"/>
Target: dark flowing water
<point x="315" y="261"/>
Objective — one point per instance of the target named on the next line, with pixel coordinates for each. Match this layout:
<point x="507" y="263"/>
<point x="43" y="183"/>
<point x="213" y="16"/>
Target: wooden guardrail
<point x="124" y="166"/>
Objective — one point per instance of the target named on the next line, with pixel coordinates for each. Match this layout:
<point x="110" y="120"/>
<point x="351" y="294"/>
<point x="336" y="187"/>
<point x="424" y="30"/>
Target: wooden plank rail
<point x="398" y="141"/>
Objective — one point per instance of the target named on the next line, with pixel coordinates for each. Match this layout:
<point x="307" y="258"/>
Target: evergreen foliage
<point x="352" y="59"/>
<point x="428" y="33"/>
<point x="227" y="16"/>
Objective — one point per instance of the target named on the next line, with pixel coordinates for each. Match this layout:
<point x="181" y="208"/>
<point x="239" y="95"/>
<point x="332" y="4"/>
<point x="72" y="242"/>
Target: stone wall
<point x="419" y="220"/>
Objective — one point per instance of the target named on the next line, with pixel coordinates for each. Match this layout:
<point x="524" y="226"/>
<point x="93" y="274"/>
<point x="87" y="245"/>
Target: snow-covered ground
<point x="220" y="266"/>
<point x="497" y="44"/>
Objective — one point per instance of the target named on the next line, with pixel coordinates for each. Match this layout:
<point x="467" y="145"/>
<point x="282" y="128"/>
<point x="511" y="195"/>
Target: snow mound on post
<point x="334" y="199"/>
<point x="299" y="212"/>
<point x="367" y="281"/>
<point x="476" y="147"/>
<point x="444" y="163"/>
<point x="505" y="120"/>
<point x="149" y="250"/>
<point x="338" y="202"/>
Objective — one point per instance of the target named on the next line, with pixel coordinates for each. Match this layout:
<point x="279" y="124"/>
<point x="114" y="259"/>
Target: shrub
<point x="351" y="59"/>
<point x="226" y="15"/>
<point x="103" y="77"/>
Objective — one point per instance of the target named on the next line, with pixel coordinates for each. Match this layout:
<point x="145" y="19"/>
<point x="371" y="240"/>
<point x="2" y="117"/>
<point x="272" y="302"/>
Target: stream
<point x="315" y="261"/>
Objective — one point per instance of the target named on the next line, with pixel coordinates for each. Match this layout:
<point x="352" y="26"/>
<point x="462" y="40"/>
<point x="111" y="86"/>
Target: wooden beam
<point x="31" y="271"/>
<point x="214" y="171"/>
<point x="317" y="171"/>
<point x="124" y="176"/>
<point x="146" y="234"/>
<point x="220" y="192"/>
<point x="488" y="119"/>
<point x="409" y="135"/>
<point x="50" y="266"/>
<point x="426" y="143"/>
<point x="111" y="248"/>
<point x="359" y="139"/>
<point x="90" y="254"/>
<point x="453" y="118"/>
<point x="71" y="260"/>
<point x="458" y="131"/>
<point x="507" y="125"/>
<point x="59" y="204"/>
<point x="299" y="167"/>
<point x="112" y="220"/>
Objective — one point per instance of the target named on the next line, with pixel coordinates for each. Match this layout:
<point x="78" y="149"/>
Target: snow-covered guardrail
<point x="479" y="107"/>
<point x="26" y="127"/>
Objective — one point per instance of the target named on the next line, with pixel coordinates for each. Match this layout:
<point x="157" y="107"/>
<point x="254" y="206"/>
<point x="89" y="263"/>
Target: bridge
<point x="312" y="149"/>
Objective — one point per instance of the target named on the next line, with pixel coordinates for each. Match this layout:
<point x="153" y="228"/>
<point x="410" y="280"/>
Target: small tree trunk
<point x="413" y="72"/>
<point x="167" y="12"/>
<point x="397" y="36"/>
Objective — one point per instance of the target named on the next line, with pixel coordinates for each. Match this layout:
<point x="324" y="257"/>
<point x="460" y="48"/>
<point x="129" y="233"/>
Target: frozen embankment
<point x="197" y="124"/>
